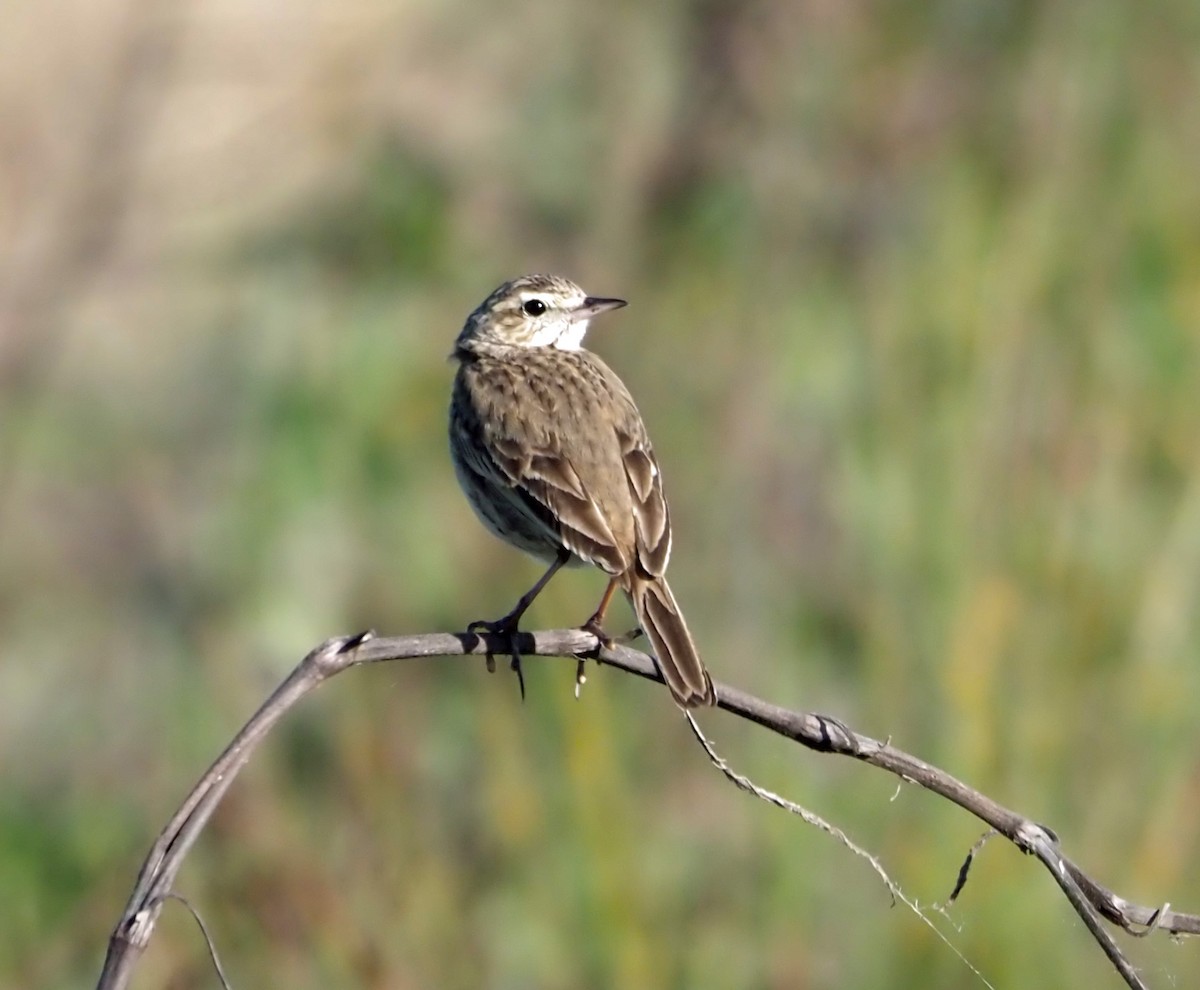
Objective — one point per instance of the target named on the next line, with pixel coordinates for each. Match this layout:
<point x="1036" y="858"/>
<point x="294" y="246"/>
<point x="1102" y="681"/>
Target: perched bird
<point x="553" y="456"/>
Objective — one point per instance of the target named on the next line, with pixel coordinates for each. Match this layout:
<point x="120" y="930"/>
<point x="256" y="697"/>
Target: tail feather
<point x="674" y="650"/>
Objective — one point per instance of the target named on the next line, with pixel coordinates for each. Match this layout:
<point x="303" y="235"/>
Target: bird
<point x="551" y="452"/>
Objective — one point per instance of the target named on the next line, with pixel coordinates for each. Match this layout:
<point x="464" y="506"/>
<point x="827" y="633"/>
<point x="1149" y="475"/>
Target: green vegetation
<point x="915" y="323"/>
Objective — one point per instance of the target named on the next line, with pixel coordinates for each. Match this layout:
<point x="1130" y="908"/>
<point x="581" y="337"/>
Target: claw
<point x="506" y="626"/>
<point x="517" y="669"/>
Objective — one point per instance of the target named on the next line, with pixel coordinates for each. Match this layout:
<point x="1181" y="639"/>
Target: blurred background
<point x="914" y="321"/>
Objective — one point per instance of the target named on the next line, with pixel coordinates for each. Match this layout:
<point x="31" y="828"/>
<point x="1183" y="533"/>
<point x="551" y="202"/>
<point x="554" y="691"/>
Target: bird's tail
<point x="674" y="650"/>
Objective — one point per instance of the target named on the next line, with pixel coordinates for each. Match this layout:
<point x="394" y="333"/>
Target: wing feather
<point x="581" y="465"/>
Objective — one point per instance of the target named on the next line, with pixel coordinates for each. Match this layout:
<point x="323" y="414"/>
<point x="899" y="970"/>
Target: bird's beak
<point x="593" y="305"/>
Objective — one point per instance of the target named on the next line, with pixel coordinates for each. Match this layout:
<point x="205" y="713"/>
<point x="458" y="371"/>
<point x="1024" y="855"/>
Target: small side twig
<point x="744" y="783"/>
<point x="207" y="935"/>
<point x="968" y="862"/>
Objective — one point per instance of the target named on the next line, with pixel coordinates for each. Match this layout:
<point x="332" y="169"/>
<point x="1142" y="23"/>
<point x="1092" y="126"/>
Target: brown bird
<point x="553" y="456"/>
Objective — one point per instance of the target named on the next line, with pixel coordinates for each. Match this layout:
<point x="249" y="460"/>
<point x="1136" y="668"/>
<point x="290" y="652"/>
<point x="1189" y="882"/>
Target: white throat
<point x="572" y="338"/>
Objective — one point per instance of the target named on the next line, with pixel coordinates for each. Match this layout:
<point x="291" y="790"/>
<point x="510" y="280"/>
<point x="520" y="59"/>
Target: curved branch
<point x="817" y="732"/>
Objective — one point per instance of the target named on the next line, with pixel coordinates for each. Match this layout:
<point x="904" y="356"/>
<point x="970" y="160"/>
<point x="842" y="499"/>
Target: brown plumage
<point x="552" y="454"/>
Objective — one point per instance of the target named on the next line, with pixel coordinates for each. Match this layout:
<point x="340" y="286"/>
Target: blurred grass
<point x="914" y="323"/>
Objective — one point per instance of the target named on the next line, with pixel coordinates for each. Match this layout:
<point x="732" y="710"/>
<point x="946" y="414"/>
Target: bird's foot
<point x="603" y="642"/>
<point x="594" y="627"/>
<point x="506" y="626"/>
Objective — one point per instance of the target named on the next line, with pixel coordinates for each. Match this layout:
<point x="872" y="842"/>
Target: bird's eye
<point x="533" y="307"/>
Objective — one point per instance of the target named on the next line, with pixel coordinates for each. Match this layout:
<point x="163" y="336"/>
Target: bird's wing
<point x="545" y="476"/>
<point x="581" y="463"/>
<point x="652" y="517"/>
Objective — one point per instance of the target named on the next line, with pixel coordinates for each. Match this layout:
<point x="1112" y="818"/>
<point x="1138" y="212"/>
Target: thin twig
<point x="208" y="939"/>
<point x="742" y="782"/>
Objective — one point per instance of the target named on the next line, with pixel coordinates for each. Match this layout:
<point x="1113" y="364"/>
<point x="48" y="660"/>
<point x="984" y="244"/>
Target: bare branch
<point x="132" y="934"/>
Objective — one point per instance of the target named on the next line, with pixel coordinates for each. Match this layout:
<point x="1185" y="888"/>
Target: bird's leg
<point x="595" y="625"/>
<point x="507" y="625"/>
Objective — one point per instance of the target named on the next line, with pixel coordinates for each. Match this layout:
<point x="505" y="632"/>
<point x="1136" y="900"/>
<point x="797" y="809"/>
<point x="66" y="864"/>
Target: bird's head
<point x="533" y="311"/>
